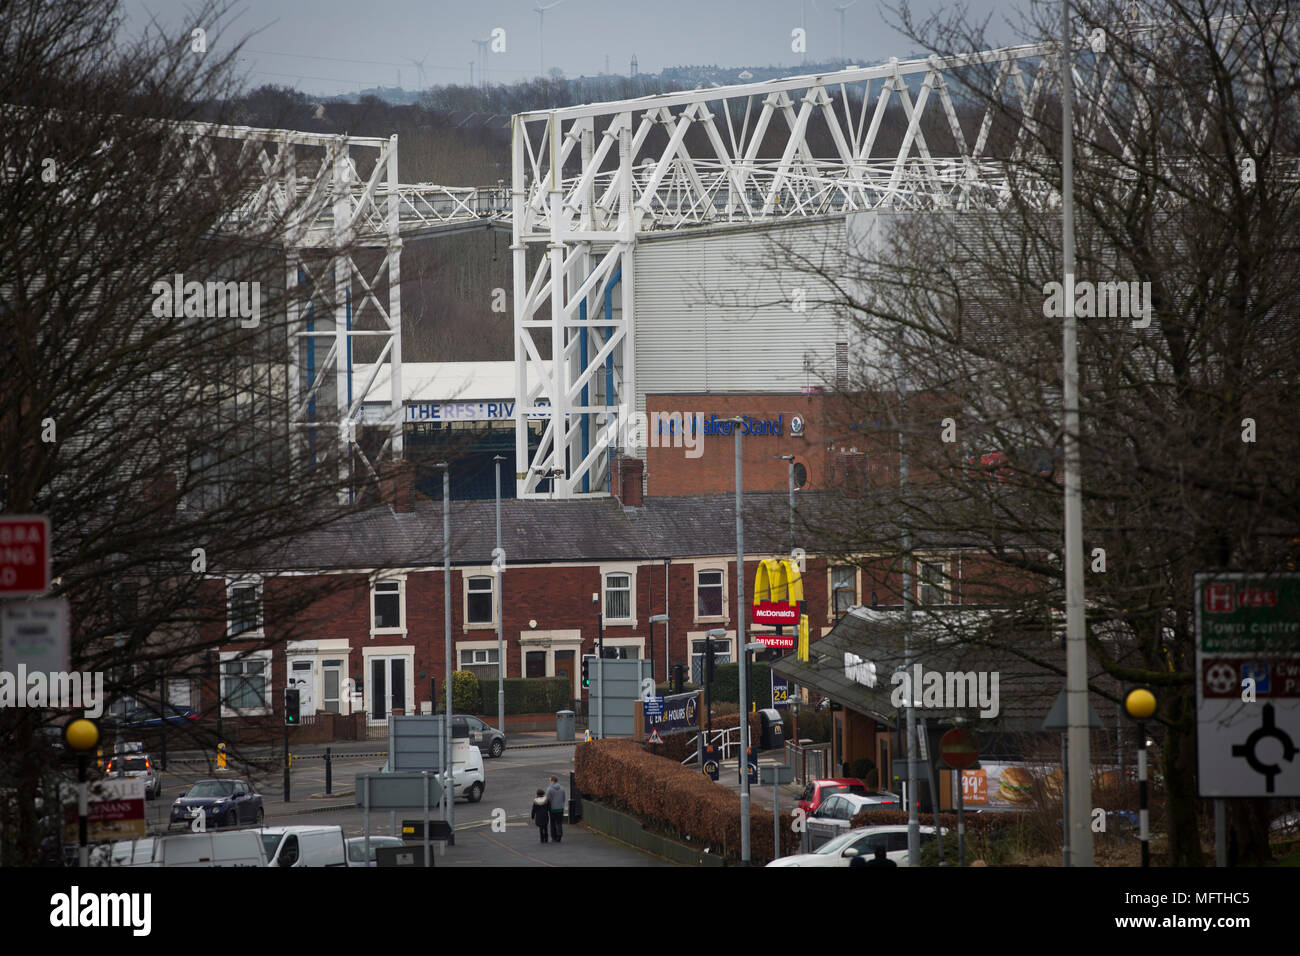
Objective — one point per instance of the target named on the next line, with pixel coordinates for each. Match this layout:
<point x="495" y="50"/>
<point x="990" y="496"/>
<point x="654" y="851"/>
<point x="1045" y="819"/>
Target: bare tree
<point x="1186" y="179"/>
<point x="146" y="333"/>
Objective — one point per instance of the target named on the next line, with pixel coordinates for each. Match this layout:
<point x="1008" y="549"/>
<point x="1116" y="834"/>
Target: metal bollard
<point x="329" y="773"/>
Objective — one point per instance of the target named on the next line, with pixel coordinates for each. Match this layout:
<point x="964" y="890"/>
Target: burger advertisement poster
<point x="1002" y="786"/>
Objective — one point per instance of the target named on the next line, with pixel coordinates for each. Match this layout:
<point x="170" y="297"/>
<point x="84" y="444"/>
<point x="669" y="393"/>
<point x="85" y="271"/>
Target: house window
<point x="708" y="594"/>
<point x="386" y="602"/>
<point x="618" y="597"/>
<point x="244" y="609"/>
<point x="932" y="584"/>
<point x="244" y="684"/>
<point x="535" y="664"/>
<point x="844" y="589"/>
<point x="478" y="601"/>
<point x="481" y="662"/>
<point x="721" y="655"/>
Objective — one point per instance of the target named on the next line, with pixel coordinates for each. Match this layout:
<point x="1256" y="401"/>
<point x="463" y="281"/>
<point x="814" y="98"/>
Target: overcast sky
<point x="337" y="46"/>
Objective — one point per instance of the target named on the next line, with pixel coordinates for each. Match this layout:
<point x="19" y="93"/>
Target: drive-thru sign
<point x="1248" y="685"/>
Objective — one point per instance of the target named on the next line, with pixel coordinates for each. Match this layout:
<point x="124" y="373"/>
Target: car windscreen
<point x="211" y="788"/>
<point x="831" y="789"/>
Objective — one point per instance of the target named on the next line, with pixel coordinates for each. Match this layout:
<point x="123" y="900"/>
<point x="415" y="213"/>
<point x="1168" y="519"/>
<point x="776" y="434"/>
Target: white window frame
<point x="627" y="569"/>
<point x="484" y="571"/>
<point x="945" y="584"/>
<point x="830" y="587"/>
<point x="693" y="636"/>
<point x="400" y="580"/>
<point x="476" y="646"/>
<point x="636" y="644"/>
<point x="253" y="581"/>
<point x="229" y="711"/>
<point x="725" y="616"/>
<point x="367" y="654"/>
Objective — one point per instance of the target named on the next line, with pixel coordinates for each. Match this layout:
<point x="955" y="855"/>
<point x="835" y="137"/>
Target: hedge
<point x="726" y="684"/>
<point x="671" y="799"/>
<point x="524" y="695"/>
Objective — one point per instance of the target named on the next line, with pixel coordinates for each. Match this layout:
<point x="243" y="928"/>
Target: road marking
<point x="513" y="850"/>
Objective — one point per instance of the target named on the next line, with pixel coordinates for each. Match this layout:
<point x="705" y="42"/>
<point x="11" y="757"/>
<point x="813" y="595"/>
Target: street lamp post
<point x="449" y="813"/>
<point x="657" y="619"/>
<point x="500" y="582"/>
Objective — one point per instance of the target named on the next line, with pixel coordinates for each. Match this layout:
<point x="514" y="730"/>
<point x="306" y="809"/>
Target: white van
<point x="231" y="848"/>
<point x="304" y="846"/>
<point x="467" y="776"/>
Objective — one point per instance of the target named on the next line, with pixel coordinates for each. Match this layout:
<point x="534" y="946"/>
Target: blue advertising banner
<point x="780" y="691"/>
<point x="678" y="715"/>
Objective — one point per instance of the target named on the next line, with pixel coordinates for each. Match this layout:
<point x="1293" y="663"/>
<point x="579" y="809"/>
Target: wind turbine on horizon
<point x="419" y="65"/>
<point x="541" y="24"/>
<point x="840" y="10"/>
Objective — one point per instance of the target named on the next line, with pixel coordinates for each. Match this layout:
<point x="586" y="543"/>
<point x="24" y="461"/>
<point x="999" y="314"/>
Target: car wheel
<point x="261" y="816"/>
<point x="475" y="792"/>
<point x="498" y="747"/>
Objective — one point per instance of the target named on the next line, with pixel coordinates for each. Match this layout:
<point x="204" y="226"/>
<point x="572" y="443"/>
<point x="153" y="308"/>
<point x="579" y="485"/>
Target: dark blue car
<point x="150" y="717"/>
<point x="224" y="803"/>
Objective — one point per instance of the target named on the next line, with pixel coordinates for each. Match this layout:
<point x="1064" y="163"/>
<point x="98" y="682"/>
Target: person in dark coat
<point x="541" y="813"/>
<point x="879" y="860"/>
<point x="555" y="796"/>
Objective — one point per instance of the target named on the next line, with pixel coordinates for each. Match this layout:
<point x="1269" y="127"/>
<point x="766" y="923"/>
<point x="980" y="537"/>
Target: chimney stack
<point x="397" y="481"/>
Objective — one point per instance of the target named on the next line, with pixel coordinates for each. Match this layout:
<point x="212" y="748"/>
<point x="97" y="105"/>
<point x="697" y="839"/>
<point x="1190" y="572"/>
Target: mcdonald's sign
<point x="778" y="589"/>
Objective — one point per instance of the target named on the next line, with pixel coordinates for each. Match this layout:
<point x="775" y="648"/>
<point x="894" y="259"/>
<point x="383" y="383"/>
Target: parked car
<point x="136" y="765"/>
<point x="225" y="803"/>
<point x="357" y="849"/>
<point x="816" y="792"/>
<point x="145" y="717"/>
<point x="304" y="846"/>
<point x="860" y="842"/>
<point x="238" y="848"/>
<point x="840" y="808"/>
<point x="483" y="736"/>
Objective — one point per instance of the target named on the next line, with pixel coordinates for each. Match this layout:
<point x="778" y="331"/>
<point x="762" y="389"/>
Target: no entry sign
<point x="24" y="555"/>
<point x="959" y="749"/>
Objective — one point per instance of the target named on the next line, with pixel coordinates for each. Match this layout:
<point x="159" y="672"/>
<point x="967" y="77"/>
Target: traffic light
<point x="679" y="677"/>
<point x="586" y="672"/>
<point x="291" y="706"/>
<point x="708" y="661"/>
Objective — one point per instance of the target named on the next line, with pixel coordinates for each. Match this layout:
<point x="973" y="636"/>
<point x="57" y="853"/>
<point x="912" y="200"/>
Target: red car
<point x="818" y="790"/>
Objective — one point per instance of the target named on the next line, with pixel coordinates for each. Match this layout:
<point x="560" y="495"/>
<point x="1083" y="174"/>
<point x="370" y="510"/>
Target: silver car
<point x="485" y="737"/>
<point x="357" y="849"/>
<point x="136" y="765"/>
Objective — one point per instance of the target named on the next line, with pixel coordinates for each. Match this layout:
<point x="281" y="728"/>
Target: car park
<point x="304" y="846"/>
<point x="224" y="803"/>
<point x="860" y="842"/>
<point x="136" y="765"/>
<point x="483" y="736"/>
<point x="818" y="791"/>
<point x="357" y="849"/>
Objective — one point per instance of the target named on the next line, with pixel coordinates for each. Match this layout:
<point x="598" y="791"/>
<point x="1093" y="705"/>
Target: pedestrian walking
<point x="555" y="796"/>
<point x="541" y="813"/>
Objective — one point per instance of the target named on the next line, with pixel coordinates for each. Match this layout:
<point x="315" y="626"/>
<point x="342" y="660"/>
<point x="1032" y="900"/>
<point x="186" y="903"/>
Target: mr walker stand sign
<point x="1248" y="684"/>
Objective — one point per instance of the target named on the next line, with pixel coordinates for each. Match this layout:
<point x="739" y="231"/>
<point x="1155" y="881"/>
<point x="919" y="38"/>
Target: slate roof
<point x="1026" y="690"/>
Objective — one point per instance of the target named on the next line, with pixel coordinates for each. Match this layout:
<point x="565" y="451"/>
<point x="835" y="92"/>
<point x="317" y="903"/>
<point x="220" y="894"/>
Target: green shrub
<point x="726" y="684"/>
<point x="538" y="695"/>
<point x="465" y="692"/>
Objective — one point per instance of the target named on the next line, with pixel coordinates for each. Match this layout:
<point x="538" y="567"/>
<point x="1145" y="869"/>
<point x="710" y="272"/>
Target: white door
<point x="387" y="687"/>
<point x="332" y="686"/>
<point x="302" y="675"/>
